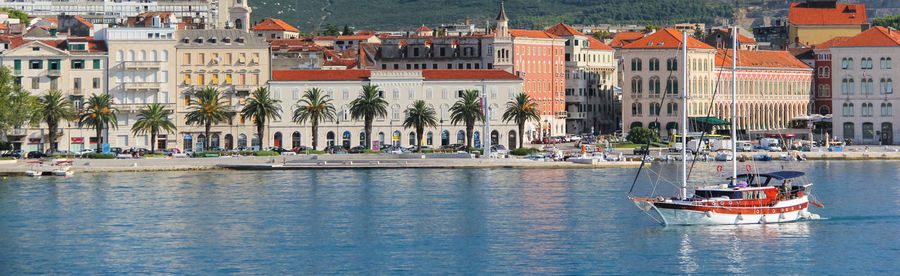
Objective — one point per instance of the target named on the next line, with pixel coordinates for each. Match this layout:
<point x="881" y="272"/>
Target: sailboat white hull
<point x="792" y="210"/>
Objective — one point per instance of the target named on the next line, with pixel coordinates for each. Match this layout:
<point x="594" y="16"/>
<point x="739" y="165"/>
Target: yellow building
<point x="817" y="21"/>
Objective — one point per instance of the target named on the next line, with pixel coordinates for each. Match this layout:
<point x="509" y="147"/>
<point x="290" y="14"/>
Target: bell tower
<point x="502" y="49"/>
<point x="239" y="15"/>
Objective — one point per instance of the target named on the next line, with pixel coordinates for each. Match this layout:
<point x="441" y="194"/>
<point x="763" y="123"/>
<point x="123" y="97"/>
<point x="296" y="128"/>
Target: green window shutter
<point x="96" y="64"/>
<point x="18" y="64"/>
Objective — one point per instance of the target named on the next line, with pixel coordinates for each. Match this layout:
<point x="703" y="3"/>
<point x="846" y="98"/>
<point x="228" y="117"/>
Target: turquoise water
<point x="422" y="221"/>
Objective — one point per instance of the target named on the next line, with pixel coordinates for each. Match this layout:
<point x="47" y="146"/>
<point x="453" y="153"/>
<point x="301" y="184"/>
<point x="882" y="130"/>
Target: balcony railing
<point x="576" y="99"/>
<point x="53" y="72"/>
<point x="561" y="114"/>
<point x="142" y="65"/>
<point x="142" y="85"/>
<point x="576" y="115"/>
<point x="19" y="132"/>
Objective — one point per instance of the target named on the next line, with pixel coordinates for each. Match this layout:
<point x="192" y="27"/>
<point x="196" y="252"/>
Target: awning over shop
<point x="710" y="121"/>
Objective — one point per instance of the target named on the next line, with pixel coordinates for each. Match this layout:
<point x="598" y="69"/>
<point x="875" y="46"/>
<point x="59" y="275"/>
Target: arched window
<point x="636" y="64"/>
<point x="653" y="86"/>
<point x="295" y="140"/>
<point x="672" y="64"/>
<point x="847" y="110"/>
<point x="395" y="139"/>
<point x="671" y="109"/>
<point x="242" y="142"/>
<point x="120" y="56"/>
<point x="153" y="56"/>
<point x="637" y="85"/>
<point x="887" y="110"/>
<point x="849" y="131"/>
<point x="654" y="64"/>
<point x="445" y="138"/>
<point x="381" y="140"/>
<point x="412" y="139"/>
<point x="142" y="55"/>
<point x="672" y="86"/>
<point x="429" y="138"/>
<point x="868" y="131"/>
<point x="130" y="55"/>
<point x="165" y="55"/>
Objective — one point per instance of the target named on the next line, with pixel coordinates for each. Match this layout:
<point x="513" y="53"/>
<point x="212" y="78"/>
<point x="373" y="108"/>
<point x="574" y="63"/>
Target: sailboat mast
<point x="684" y="120"/>
<point x="734" y="64"/>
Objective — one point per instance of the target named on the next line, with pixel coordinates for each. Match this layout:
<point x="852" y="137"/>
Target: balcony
<point x="243" y="87"/>
<point x="576" y="115"/>
<point x="142" y="65"/>
<point x="18" y="132"/>
<point x="561" y="114"/>
<point x="53" y="73"/>
<point x="576" y="99"/>
<point x="142" y="86"/>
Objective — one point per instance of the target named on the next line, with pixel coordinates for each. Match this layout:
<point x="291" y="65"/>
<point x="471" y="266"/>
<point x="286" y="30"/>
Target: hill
<point x="311" y="15"/>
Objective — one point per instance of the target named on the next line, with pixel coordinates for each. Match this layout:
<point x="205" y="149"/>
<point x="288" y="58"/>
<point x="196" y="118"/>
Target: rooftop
<point x="272" y="24"/>
<point x="843" y="14"/>
<point x="362" y="75"/>
<point x="562" y="29"/>
<point x="874" y="37"/>
<point x="666" y="39"/>
<point x="760" y="59"/>
<point x="831" y="42"/>
<point x="531" y="34"/>
<point x="624" y="38"/>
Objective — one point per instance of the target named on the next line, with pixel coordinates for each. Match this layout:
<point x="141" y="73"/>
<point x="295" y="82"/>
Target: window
<point x="867" y="110"/>
<point x="96" y="64"/>
<point x="653" y="86"/>
<point x="654" y="109"/>
<point x="868" y="131"/>
<point x="187" y="79"/>
<point x="849" y="131"/>
<point x="35" y="83"/>
<point x="78" y="46"/>
<point x="636" y="64"/>
<point x="847" y="87"/>
<point x="654" y="64"/>
<point x="824" y="90"/>
<point x="887" y="86"/>
<point x="76" y="83"/>
<point x="396" y="94"/>
<point x="867" y="86"/>
<point x="672" y="86"/>
<point x="636" y="109"/>
<point x="96" y="83"/>
<point x="672" y="64"/>
<point x="887" y="110"/>
<point x="848" y="110"/>
<point x="636" y="85"/>
<point x="671" y="109"/>
<point x="77" y="64"/>
<point x="35" y="64"/>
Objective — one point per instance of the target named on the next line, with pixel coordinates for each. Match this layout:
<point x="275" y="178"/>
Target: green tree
<point x="208" y="109"/>
<point x="601" y="35"/>
<point x="14" y="13"/>
<point x="369" y="105"/>
<point x="154" y="118"/>
<point x="467" y="110"/>
<point x="347" y="30"/>
<point x="650" y="28"/>
<point x="17" y="106"/>
<point x="640" y="135"/>
<point x="420" y="116"/>
<point x="888" y="22"/>
<point x="331" y="30"/>
<point x="520" y="110"/>
<point x="698" y="33"/>
<point x="261" y="107"/>
<point x="99" y="114"/>
<point x="53" y="108"/>
<point x="314" y="107"/>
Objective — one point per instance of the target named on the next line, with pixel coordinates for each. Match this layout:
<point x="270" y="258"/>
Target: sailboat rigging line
<point x="662" y="99"/>
<point x="709" y="110"/>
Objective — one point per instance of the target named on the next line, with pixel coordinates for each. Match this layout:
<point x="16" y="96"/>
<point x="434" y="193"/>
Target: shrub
<point x="204" y="153"/>
<point x="524" y="151"/>
<point x="154" y="155"/>
<point x="4" y="145"/>
<point x="6" y="158"/>
<point x="640" y="135"/>
<point x="100" y="156"/>
<point x="265" y="153"/>
<point x="372" y="151"/>
<point x="316" y="152"/>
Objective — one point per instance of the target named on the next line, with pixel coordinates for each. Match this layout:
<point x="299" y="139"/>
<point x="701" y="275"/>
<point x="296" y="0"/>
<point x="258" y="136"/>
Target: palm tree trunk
<point x="260" y="128"/>
<point x="419" y="132"/>
<point x="152" y="142"/>
<point x="315" y="134"/>
<point x="52" y="135"/>
<point x="469" y="128"/>
<point x="99" y="138"/>
<point x="206" y="138"/>
<point x="521" y="135"/>
<point x="368" y="129"/>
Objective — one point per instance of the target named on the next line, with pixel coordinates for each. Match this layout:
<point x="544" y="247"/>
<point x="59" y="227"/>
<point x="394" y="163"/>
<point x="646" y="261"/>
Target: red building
<point x="823" y="72"/>
<point x="539" y="59"/>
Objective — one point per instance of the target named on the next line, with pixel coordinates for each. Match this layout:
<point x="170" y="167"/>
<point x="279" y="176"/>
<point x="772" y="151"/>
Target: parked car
<point x="18" y="154"/>
<point x="278" y="150"/>
<point x="335" y="149"/>
<point x="642" y="150"/>
<point x="357" y="149"/>
<point x="34" y="155"/>
<point x="300" y="149"/>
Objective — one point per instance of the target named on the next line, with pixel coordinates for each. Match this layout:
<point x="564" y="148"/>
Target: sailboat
<point x="750" y="198"/>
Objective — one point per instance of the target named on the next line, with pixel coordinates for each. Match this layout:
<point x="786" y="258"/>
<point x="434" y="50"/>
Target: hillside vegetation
<point x="311" y="16"/>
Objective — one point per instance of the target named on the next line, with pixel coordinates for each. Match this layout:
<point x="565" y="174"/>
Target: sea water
<point x="428" y="221"/>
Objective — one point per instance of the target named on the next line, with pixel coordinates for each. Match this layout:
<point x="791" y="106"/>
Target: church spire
<point x="502" y="15"/>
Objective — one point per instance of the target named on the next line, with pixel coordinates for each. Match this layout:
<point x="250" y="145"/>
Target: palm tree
<point x="521" y="109"/>
<point x="261" y="107"/>
<point x="467" y="110"/>
<point x="99" y="114"/>
<point x="420" y="116"/>
<point x="367" y="106"/>
<point x="53" y="108"/>
<point x="154" y="118"/>
<point x="314" y="107"/>
<point x="206" y="110"/>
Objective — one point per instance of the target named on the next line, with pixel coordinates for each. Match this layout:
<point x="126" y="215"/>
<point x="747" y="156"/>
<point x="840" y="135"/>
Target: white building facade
<point x="439" y="88"/>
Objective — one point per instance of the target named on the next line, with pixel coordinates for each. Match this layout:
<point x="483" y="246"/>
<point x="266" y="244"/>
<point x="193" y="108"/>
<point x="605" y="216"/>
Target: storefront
<point x="35" y="144"/>
<point x="76" y="144"/>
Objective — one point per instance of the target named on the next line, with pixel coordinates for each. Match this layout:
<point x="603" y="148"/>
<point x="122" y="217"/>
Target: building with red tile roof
<point x="722" y="39"/>
<point x="424" y="31"/>
<point x="817" y="21"/>
<point x="275" y="29"/>
<point x="440" y="89"/>
<point x="666" y="39"/>
<point x="590" y="78"/>
<point x="822" y="93"/>
<point x="863" y="73"/>
<point x="624" y="38"/>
